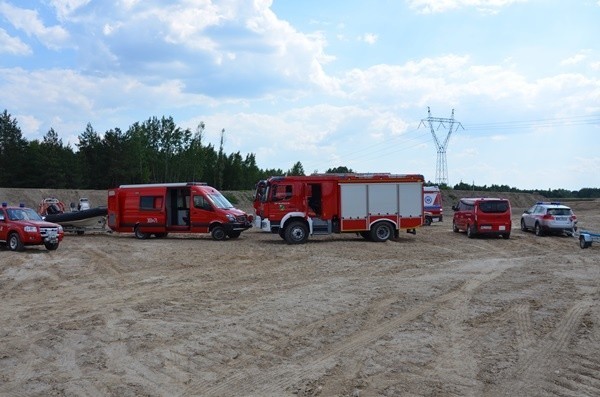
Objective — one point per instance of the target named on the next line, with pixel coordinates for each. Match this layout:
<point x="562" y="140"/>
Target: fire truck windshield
<point x="220" y="201"/>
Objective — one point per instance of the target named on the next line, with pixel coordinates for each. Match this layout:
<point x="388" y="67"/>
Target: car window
<point x="493" y="207"/>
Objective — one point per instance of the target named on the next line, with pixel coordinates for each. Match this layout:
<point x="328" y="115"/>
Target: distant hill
<point x="243" y="199"/>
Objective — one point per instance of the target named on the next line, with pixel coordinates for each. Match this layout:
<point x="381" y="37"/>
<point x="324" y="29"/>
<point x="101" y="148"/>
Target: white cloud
<point x="576" y="59"/>
<point x="28" y="21"/>
<point x="369" y="38"/>
<point x="65" y="8"/>
<point x="436" y="6"/>
<point x="12" y="45"/>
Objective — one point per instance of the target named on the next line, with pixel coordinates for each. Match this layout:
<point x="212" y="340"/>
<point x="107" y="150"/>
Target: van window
<point x="150" y="202"/>
<point x="493" y="207"/>
<point x="202" y="203"/>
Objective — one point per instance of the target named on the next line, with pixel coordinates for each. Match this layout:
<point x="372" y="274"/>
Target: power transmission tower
<point x="441" y="169"/>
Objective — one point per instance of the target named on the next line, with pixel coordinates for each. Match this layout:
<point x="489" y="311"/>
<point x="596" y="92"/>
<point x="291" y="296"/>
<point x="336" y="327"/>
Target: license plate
<point x="52" y="234"/>
<point x="486" y="228"/>
<point x="561" y="218"/>
<point x="502" y="228"/>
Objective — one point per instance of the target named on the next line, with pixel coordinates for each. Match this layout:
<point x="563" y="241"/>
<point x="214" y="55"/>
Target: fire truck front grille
<point x="48" y="231"/>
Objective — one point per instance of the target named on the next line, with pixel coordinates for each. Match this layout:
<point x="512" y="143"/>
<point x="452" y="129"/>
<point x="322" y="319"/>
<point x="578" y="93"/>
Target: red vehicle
<point x="162" y="208"/>
<point x="21" y="226"/>
<point x="432" y="203"/>
<point x="482" y="216"/>
<point x="376" y="206"/>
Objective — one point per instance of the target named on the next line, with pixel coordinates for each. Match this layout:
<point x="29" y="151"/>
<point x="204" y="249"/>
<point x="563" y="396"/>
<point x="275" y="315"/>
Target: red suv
<point x="21" y="226"/>
<point x="483" y="216"/>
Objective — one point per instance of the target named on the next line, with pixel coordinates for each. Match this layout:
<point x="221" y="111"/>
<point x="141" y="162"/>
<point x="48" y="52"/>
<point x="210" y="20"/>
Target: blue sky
<point x="327" y="83"/>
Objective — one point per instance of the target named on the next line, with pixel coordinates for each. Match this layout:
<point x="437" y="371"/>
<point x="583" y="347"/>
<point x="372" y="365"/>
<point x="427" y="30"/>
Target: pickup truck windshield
<point x="23" y="214"/>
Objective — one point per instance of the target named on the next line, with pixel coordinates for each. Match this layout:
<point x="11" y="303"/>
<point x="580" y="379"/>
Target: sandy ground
<point x="436" y="314"/>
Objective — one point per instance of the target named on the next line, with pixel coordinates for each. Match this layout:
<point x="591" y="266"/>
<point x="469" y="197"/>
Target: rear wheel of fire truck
<point x="14" y="242"/>
<point x="234" y="234"/>
<point x="538" y="230"/>
<point x="296" y="233"/>
<point x="382" y="231"/>
<point x="139" y="234"/>
<point x="51" y="246"/>
<point x="218" y="233"/>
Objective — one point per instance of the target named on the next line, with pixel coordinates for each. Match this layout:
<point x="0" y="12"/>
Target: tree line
<point x="153" y="151"/>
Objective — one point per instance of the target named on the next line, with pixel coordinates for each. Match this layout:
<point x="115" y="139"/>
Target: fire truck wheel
<point x="218" y="233"/>
<point x="234" y="234"/>
<point x="296" y="233"/>
<point x="382" y="231"/>
<point x="139" y="234"/>
<point x="51" y="246"/>
<point x="14" y="242"/>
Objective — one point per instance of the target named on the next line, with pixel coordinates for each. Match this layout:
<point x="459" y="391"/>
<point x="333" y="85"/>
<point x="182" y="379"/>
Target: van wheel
<point x="51" y="246"/>
<point x="382" y="231"/>
<point x="139" y="234"/>
<point x="454" y="227"/>
<point x="470" y="231"/>
<point x="538" y="230"/>
<point x="14" y="242"/>
<point x="218" y="233"/>
<point x="428" y="221"/>
<point x="523" y="227"/>
<point x="296" y="233"/>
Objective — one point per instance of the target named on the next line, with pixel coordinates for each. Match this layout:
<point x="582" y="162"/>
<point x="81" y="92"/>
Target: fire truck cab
<point x="162" y="208"/>
<point x="375" y="206"/>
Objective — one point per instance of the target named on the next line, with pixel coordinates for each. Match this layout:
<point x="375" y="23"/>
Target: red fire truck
<point x="376" y="206"/>
<point x="162" y="208"/>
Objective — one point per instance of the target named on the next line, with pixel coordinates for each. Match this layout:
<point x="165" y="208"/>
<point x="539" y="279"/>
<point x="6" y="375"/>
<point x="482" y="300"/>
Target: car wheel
<point x="218" y="233"/>
<point x="382" y="231"/>
<point x="470" y="231"/>
<point x="538" y="230"/>
<point x="454" y="227"/>
<point x="14" y="242"/>
<point x="523" y="227"/>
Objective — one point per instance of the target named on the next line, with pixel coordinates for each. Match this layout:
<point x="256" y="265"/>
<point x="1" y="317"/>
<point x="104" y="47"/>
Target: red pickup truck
<point x="21" y="226"/>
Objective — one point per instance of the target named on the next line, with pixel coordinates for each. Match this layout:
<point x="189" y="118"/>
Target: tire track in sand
<point x="275" y="381"/>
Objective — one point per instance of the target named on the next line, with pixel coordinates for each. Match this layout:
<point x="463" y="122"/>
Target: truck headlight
<point x="30" y="229"/>
<point x="230" y="217"/>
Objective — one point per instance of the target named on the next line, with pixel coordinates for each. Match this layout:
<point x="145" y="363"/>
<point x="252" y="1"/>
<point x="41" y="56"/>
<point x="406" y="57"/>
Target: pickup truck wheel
<point x="14" y="242"/>
<point x="296" y="233"/>
<point x="538" y="230"/>
<point x="51" y="246"/>
<point x="382" y="231"/>
<point x="139" y="234"/>
<point x="218" y="233"/>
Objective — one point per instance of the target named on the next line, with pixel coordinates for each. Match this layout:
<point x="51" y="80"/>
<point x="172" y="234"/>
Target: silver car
<point x="549" y="218"/>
